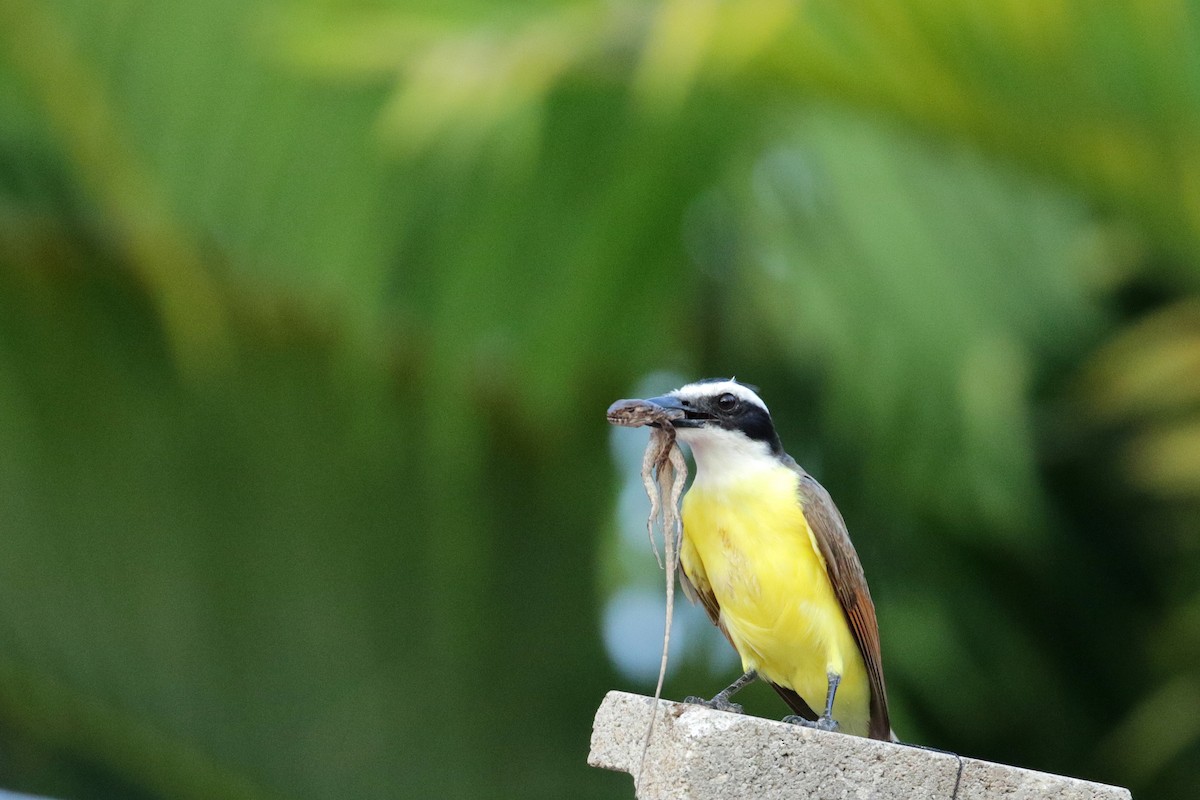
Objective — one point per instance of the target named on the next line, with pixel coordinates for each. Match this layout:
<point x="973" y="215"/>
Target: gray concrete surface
<point x="700" y="754"/>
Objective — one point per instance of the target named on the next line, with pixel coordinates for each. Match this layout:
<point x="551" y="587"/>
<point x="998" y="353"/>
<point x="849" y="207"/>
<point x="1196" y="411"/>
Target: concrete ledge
<point x="700" y="754"/>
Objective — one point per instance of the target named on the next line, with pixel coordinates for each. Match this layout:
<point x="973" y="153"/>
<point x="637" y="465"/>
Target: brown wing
<point x="850" y="585"/>
<point x="701" y="592"/>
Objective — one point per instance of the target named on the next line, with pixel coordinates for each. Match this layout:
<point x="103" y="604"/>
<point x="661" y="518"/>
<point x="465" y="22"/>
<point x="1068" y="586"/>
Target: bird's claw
<point x="718" y="703"/>
<point x="821" y="723"/>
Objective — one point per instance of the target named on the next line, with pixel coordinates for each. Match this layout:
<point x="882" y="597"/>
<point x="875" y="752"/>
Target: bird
<point x="767" y="554"/>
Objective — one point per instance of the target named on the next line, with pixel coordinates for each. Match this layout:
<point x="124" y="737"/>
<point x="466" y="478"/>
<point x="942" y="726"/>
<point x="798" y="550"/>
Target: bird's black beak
<point x="682" y="415"/>
<point x="656" y="412"/>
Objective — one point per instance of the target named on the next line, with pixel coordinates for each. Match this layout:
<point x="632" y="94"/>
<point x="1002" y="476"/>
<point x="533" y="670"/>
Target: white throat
<point x="724" y="457"/>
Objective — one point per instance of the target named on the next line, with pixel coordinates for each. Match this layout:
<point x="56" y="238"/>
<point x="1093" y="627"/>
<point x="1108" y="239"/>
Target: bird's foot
<point x="718" y="703"/>
<point x="822" y="723"/>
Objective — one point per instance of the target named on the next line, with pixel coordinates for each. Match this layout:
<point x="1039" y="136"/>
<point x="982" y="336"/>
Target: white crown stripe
<point x="696" y="391"/>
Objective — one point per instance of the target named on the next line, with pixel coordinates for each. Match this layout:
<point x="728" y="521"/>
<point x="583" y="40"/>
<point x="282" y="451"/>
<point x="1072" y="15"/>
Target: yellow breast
<point x="748" y="542"/>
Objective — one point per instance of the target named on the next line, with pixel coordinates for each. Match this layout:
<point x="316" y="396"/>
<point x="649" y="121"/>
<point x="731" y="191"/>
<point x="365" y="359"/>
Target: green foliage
<point x="308" y="313"/>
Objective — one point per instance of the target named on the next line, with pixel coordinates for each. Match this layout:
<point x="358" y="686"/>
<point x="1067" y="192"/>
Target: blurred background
<point x="310" y="311"/>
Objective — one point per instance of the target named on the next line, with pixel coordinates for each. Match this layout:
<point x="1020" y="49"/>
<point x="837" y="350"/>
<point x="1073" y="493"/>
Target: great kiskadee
<point x="766" y="552"/>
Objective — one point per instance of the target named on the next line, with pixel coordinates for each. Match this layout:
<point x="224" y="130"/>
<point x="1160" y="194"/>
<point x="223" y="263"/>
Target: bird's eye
<point x="727" y="402"/>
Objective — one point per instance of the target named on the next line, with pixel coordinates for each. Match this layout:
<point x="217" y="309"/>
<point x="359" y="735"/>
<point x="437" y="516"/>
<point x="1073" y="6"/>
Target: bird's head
<point x="721" y="420"/>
